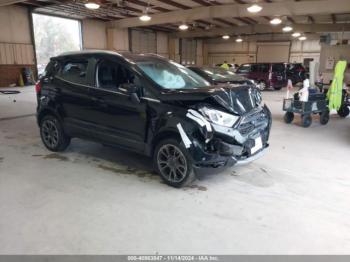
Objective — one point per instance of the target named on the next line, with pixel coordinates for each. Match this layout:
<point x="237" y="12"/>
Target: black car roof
<point x="125" y="55"/>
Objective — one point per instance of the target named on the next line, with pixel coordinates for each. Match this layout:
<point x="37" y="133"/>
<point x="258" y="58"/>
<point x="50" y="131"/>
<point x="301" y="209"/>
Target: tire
<point x="278" y="88"/>
<point x="288" y="117"/>
<point x="306" y="120"/>
<point x="262" y="85"/>
<point x="324" y="117"/>
<point x="52" y="134"/>
<point x="344" y="111"/>
<point x="175" y="171"/>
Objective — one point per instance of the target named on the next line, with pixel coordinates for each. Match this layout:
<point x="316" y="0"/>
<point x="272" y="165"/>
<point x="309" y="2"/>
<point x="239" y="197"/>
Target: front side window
<point x="75" y="72"/>
<point x="170" y="75"/>
<point x="111" y="75"/>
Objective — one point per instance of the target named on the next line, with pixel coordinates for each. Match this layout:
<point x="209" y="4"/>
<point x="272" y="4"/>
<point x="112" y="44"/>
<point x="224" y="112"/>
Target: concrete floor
<point x="97" y="200"/>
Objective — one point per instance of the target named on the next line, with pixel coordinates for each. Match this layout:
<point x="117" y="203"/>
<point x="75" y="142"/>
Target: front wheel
<point x="173" y="163"/>
<point x="306" y="120"/>
<point x="288" y="117"/>
<point x="324" y="117"/>
<point x="344" y="111"/>
<point x="262" y="85"/>
<point x="52" y="134"/>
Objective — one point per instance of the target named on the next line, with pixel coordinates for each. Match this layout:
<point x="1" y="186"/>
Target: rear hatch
<point x="278" y="73"/>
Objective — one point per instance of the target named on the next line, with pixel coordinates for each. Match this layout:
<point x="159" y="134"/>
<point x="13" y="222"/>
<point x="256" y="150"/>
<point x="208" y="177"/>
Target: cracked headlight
<point x="218" y="117"/>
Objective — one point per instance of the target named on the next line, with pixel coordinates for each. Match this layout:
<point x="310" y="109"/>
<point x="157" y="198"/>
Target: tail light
<point x="38" y="87"/>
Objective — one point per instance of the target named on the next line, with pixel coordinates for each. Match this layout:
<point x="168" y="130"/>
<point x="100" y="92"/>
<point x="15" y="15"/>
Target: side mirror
<point x="131" y="90"/>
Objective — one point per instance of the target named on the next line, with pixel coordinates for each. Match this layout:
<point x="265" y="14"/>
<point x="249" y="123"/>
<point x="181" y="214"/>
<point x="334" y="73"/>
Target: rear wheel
<point x="52" y="134"/>
<point x="344" y="111"/>
<point x="173" y="163"/>
<point x="324" y="117"/>
<point x="262" y="85"/>
<point x="288" y="117"/>
<point x="306" y="120"/>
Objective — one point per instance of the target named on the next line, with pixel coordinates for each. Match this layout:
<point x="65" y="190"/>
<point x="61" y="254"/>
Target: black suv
<point x="295" y="72"/>
<point x="152" y="106"/>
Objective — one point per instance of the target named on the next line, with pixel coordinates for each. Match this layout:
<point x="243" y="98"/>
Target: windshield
<point x="220" y="74"/>
<point x="170" y="75"/>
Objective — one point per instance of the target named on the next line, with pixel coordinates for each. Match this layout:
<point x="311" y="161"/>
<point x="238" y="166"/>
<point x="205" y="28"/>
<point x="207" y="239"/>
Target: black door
<point x="118" y="119"/>
<point x="72" y="92"/>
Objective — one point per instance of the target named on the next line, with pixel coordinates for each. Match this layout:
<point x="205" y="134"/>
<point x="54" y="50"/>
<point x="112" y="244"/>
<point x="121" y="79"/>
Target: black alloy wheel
<point x="52" y="134"/>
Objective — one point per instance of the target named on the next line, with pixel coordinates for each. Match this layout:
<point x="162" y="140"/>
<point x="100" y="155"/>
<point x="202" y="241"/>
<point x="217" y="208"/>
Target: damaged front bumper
<point x="241" y="144"/>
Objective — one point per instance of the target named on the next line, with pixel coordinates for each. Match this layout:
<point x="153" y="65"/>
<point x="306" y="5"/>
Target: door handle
<point x="100" y="102"/>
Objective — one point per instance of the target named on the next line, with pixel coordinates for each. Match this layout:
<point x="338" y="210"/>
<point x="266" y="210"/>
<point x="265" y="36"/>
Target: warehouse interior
<point x="97" y="199"/>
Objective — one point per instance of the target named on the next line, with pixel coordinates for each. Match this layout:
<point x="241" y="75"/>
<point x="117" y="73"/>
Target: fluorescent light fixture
<point x="254" y="8"/>
<point x="92" y="5"/>
<point x="145" y="17"/>
<point x="183" y="27"/>
<point x="239" y="39"/>
<point x="302" y="38"/>
<point x="276" y="21"/>
<point x="225" y="37"/>
<point x="296" y="34"/>
<point x="287" y="28"/>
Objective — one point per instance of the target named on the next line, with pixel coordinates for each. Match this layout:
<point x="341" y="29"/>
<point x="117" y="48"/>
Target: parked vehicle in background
<point x="295" y="72"/>
<point x="267" y="75"/>
<point x="153" y="106"/>
<point x="232" y="67"/>
<point x="217" y="75"/>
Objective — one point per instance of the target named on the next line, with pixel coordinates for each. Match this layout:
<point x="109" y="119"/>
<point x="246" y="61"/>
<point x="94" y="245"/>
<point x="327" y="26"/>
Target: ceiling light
<point x="254" y="8"/>
<point x="302" y="38"/>
<point x="296" y="34"/>
<point x="226" y="37"/>
<point x="183" y="27"/>
<point x="287" y="28"/>
<point x="145" y="17"/>
<point x="276" y="21"/>
<point x="239" y="39"/>
<point x="92" y="5"/>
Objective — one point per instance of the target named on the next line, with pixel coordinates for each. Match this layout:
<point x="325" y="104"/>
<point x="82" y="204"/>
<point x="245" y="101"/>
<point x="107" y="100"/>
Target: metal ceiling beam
<point x="239" y="10"/>
<point x="264" y="29"/>
<point x="10" y="2"/>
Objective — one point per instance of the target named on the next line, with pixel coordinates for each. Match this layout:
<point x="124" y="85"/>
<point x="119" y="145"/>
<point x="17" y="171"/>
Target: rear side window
<point x="278" y="68"/>
<point x="264" y="68"/>
<point x="254" y="68"/>
<point x="75" y="71"/>
<point x="243" y="69"/>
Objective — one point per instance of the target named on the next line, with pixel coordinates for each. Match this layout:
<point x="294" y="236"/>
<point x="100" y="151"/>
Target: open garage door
<point x="273" y="52"/>
<point x="143" y="41"/>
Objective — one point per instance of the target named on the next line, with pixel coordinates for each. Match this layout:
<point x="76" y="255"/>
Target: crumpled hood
<point x="237" y="100"/>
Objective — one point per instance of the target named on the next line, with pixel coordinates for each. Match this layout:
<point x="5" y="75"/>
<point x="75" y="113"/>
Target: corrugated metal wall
<point x="16" y="54"/>
<point x="143" y="41"/>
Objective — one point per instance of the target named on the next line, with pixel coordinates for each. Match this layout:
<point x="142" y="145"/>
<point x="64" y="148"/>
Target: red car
<point x="267" y="75"/>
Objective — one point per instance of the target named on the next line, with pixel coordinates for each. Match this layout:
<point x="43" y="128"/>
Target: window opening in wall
<point x="53" y="36"/>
